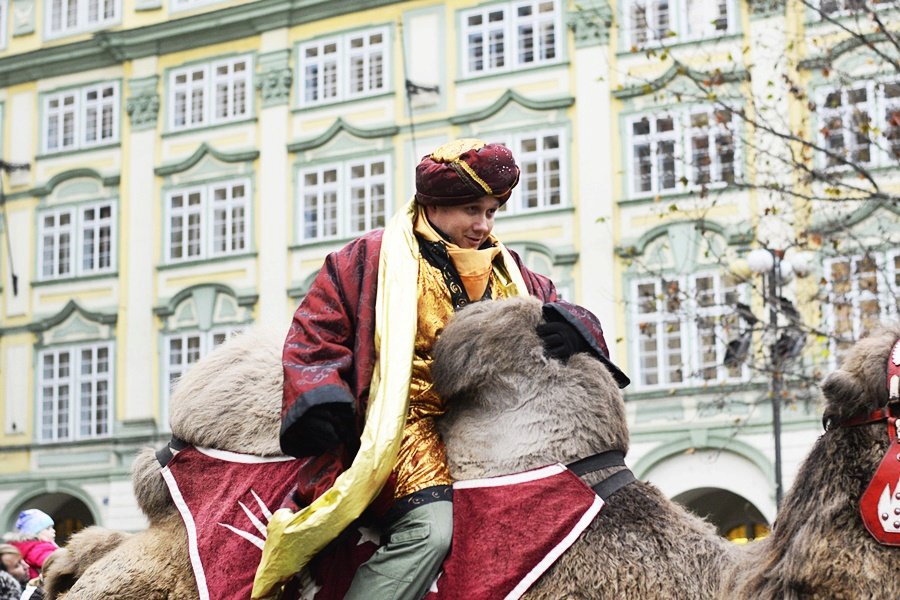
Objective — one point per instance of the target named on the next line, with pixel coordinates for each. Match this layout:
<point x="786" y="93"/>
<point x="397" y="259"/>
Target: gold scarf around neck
<point x="474" y="266"/>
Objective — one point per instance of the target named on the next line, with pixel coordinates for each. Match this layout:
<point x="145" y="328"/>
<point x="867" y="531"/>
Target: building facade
<point x="192" y="163"/>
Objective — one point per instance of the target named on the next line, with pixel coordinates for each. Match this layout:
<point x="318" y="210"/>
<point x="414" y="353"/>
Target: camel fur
<point x="819" y="548"/>
<point x="230" y="401"/>
<point x="512" y="409"/>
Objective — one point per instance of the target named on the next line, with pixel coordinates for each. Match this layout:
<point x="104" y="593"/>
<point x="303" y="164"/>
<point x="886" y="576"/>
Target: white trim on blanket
<point x="191" y="527"/>
<point x="543" y="472"/>
<point x="236" y="457"/>
<point x="554" y="554"/>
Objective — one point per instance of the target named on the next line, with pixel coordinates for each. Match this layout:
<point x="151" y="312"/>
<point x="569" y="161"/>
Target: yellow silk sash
<point x="293" y="539"/>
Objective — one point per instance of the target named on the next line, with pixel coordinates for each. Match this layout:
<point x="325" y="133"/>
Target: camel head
<point x="511" y="408"/>
<point x="228" y="400"/>
<point x="231" y="398"/>
<point x="860" y="385"/>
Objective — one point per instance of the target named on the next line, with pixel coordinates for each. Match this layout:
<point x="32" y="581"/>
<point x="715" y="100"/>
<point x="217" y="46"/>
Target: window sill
<point x="677" y="42"/>
<point x="692" y="389"/>
<point x="526" y="213"/>
<point x="676" y="195"/>
<point x="75" y="279"/>
<point x="170" y="266"/>
<point x="382" y="95"/>
<point x="73" y="151"/>
<point x="52" y="37"/>
<point x="512" y="71"/>
<point x="171" y="133"/>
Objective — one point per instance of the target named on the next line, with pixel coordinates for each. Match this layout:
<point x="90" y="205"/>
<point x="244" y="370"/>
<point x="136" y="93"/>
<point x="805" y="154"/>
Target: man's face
<point x="468" y="225"/>
<point x="15" y="566"/>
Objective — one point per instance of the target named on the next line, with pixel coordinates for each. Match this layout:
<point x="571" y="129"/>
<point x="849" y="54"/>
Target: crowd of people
<point x="24" y="553"/>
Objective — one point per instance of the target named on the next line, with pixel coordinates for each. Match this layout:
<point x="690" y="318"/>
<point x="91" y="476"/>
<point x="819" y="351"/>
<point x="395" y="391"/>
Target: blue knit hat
<point x="33" y="521"/>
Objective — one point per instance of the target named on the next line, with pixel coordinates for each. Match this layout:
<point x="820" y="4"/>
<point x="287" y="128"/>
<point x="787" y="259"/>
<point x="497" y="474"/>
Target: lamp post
<point x="7" y="167"/>
<point x="771" y="264"/>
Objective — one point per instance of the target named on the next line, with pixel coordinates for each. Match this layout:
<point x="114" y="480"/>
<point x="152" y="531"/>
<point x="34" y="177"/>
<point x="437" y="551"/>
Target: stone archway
<point x="733" y="516"/>
<point x="69" y="513"/>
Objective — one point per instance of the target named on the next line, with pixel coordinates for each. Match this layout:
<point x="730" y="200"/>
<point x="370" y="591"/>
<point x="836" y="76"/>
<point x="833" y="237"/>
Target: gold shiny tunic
<point x="422" y="461"/>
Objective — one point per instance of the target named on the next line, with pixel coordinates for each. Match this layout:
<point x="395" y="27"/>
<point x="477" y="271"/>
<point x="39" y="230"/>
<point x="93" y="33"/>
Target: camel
<point x="640" y="545"/>
<point x="818" y="547"/>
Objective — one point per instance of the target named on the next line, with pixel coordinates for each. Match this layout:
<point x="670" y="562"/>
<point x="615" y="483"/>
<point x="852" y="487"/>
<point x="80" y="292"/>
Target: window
<point x="362" y="182"/>
<point x="4" y="8"/>
<point x="833" y="8"/>
<point x="184" y="349"/>
<point x="860" y="123"/>
<point x="75" y="392"/>
<point x="652" y="21"/>
<point x="73" y="16"/>
<point x="656" y="143"/>
<point x="207" y="221"/>
<point x="78" y="241"/>
<point x="508" y="36"/>
<point x="344" y="67"/>
<point x="542" y="163"/>
<point x="862" y="292"/>
<point x="211" y="93"/>
<point x="683" y="328"/>
<point x="82" y="118"/>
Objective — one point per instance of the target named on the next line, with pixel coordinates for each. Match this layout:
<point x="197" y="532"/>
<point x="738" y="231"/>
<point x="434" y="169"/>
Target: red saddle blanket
<point x="507" y="530"/>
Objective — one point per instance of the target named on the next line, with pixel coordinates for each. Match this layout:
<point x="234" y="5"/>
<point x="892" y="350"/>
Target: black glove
<point x="323" y="427"/>
<point x="561" y="340"/>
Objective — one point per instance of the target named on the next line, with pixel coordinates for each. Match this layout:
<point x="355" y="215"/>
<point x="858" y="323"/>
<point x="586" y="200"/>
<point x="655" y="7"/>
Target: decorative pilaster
<point x="142" y="105"/>
<point x="22" y="12"/>
<point x="275" y="77"/>
<point x="591" y="23"/>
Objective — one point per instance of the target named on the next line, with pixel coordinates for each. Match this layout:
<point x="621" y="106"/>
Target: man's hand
<point x="561" y="340"/>
<point x="323" y="427"/>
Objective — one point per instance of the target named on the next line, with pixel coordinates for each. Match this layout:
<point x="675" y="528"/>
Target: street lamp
<point x="776" y="271"/>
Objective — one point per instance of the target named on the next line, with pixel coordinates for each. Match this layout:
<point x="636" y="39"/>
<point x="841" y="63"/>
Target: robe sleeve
<point x="319" y="355"/>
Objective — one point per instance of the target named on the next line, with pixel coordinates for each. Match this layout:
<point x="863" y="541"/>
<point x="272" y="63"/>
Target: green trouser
<point x="406" y="566"/>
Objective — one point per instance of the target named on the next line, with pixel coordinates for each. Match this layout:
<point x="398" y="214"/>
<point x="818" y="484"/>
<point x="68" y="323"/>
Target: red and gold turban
<point x="466" y="170"/>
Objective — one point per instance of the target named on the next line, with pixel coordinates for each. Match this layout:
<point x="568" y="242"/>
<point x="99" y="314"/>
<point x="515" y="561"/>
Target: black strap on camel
<point x="165" y="454"/>
<point x="604" y="460"/>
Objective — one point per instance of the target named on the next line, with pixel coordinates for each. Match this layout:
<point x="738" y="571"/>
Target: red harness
<point x="879" y="505"/>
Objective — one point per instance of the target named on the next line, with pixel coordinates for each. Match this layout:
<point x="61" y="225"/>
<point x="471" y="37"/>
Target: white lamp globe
<point x="785" y="271"/>
<point x="802" y="263"/>
<point x="760" y="260"/>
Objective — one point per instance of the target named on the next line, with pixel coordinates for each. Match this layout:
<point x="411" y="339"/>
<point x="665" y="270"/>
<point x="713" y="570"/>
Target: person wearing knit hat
<point x="34" y="537"/>
<point x="358" y="397"/>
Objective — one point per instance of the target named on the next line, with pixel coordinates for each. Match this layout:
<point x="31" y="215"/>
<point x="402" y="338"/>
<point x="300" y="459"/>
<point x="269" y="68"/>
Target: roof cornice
<point x="112" y="47"/>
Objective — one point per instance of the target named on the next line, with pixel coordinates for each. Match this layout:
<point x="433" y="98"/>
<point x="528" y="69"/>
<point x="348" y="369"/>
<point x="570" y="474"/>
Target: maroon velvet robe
<point x="329" y="353"/>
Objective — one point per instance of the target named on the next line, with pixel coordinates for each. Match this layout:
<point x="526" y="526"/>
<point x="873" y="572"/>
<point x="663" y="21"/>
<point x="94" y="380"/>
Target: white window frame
<point x="342" y="191"/>
<point x="4" y="22"/>
<point x="77" y="231"/>
<point x="202" y="84"/>
<point x="682" y="136"/>
<point x="81" y="105"/>
<point x="876" y="106"/>
<point x="207" y="341"/>
<point x="539" y="156"/>
<point x="843" y="8"/>
<point x="83" y="16"/>
<point x="678" y="26"/>
<point x="887" y="278"/>
<point x="207" y="210"/>
<point x="510" y="29"/>
<point x="341" y="66"/>
<point x="684" y="325"/>
<point x="75" y="381"/>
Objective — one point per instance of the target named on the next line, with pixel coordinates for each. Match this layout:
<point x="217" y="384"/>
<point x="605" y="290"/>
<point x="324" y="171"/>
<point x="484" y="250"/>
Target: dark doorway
<point x="68" y="512"/>
<point x="734" y="517"/>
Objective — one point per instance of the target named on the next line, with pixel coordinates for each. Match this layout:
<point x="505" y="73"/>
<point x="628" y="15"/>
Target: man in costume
<point x="357" y="368"/>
